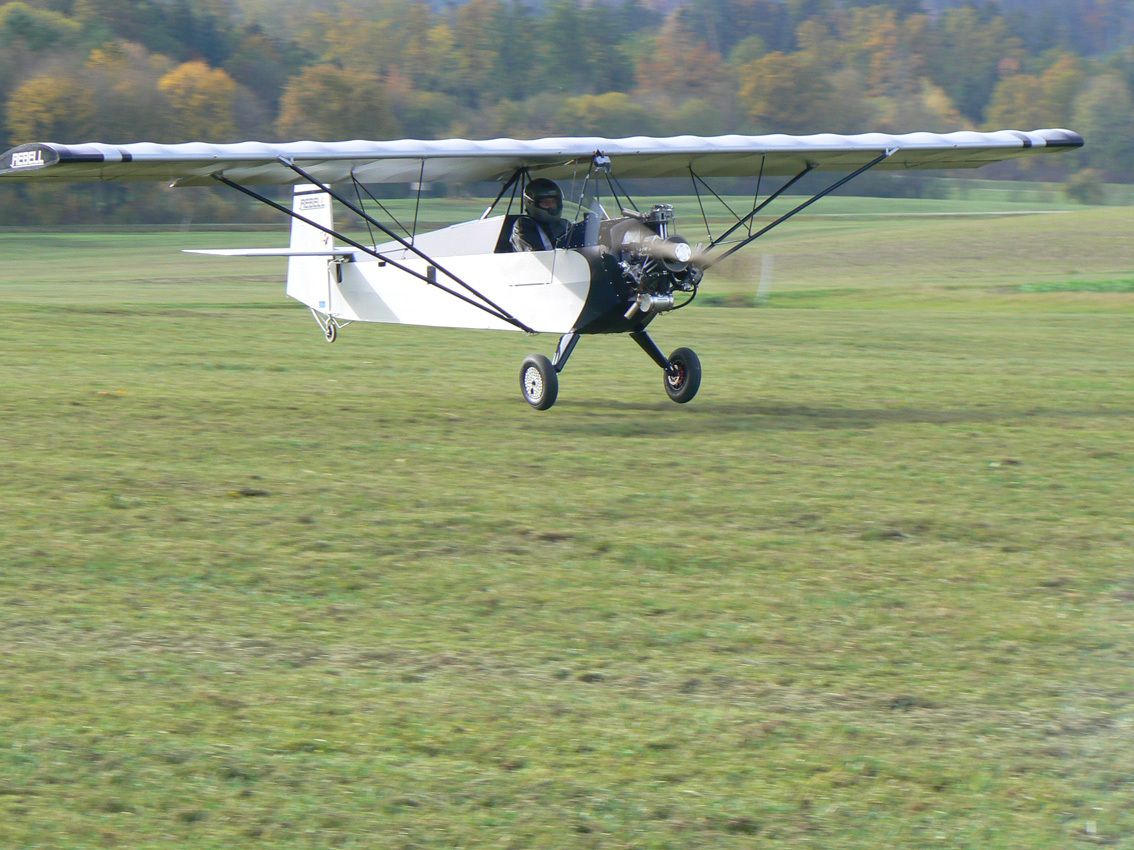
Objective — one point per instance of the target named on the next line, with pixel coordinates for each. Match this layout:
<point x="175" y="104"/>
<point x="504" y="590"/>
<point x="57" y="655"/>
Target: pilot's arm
<point x="529" y="235"/>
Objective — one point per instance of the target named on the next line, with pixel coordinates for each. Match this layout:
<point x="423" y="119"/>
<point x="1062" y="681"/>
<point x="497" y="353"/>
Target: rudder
<point x="307" y="277"/>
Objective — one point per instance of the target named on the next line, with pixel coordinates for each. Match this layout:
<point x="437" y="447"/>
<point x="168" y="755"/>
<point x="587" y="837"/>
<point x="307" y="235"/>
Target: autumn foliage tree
<point x="38" y="29"/>
<point x="122" y="77"/>
<point x="202" y="101"/>
<point x="782" y="93"/>
<point x="1031" y="100"/>
<point x="51" y="107"/>
<point x="326" y="102"/>
<point x="1105" y="111"/>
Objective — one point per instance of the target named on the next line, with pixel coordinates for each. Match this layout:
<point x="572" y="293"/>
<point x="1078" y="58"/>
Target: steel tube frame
<point x="511" y="184"/>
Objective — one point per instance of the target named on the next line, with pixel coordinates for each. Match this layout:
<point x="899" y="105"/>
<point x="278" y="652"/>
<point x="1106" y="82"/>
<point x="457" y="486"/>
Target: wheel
<point x="331" y="331"/>
<point x="539" y="382"/>
<point x="683" y="385"/>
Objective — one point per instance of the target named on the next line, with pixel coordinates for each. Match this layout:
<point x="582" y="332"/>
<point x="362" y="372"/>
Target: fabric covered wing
<point x="459" y="160"/>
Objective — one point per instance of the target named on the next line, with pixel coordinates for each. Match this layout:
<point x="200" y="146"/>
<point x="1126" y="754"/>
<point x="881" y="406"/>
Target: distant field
<point x="691" y="213"/>
<point x="873" y="588"/>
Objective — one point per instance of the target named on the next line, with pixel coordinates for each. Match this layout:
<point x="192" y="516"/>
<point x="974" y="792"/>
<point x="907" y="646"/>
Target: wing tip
<point x="1061" y="139"/>
<point x="25" y="159"/>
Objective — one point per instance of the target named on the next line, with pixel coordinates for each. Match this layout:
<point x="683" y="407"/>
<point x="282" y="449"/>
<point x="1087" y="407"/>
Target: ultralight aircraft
<point x="621" y="269"/>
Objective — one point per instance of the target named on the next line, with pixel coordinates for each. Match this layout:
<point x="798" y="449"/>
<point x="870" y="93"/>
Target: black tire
<point x="539" y="382"/>
<point x="684" y="385"/>
<point x="331" y="332"/>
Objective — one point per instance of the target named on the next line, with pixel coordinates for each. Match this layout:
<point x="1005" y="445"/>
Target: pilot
<point x="541" y="227"/>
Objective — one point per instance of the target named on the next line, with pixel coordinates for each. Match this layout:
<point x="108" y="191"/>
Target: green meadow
<point x="873" y="588"/>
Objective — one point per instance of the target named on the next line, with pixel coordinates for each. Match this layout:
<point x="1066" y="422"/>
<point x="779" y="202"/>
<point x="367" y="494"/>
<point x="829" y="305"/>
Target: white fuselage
<point x="545" y="290"/>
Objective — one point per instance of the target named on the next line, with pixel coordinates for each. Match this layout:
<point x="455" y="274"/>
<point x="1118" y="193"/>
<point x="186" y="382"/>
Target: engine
<point x="656" y="263"/>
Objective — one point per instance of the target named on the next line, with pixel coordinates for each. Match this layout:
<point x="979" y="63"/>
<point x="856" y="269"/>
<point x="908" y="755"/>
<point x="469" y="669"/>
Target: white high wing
<point x="614" y="274"/>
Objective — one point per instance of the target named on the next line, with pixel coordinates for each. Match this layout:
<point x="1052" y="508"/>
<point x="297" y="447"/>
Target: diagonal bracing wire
<point x="381" y="206"/>
<point x="882" y="156"/>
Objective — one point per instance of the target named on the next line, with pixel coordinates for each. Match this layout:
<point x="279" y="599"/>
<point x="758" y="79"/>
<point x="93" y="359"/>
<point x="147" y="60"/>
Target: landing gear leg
<point x="651" y="348"/>
<point x="539" y="377"/>
<point x="567" y="344"/>
<point x="682" y="368"/>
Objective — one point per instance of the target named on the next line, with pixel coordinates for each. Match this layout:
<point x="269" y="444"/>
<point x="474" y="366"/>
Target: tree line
<point x="229" y="70"/>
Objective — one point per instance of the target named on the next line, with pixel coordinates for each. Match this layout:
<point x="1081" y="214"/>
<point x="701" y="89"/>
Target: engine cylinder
<point x="661" y="218"/>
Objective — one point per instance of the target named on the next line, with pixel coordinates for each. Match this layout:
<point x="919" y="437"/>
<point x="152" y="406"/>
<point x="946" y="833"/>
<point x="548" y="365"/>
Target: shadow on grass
<point x="756" y="416"/>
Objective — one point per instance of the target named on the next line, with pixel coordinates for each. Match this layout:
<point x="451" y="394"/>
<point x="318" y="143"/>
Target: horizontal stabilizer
<point x="276" y="252"/>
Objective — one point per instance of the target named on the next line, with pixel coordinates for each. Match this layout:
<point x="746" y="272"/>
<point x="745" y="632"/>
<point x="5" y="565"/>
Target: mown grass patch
<point x="1125" y="285"/>
<point x="873" y="586"/>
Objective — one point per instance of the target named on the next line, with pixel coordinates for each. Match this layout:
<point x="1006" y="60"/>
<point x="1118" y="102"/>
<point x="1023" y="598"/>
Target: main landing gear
<point x="684" y="380"/>
<point x="539" y="382"/>
<point x="539" y="377"/>
<point x="682" y="368"/>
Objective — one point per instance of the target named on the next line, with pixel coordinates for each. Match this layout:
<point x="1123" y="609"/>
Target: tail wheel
<point x="539" y="382"/>
<point x="683" y="382"/>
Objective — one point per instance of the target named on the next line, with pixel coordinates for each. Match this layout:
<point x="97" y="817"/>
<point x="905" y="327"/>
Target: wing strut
<point x="493" y="310"/>
<point x="714" y="260"/>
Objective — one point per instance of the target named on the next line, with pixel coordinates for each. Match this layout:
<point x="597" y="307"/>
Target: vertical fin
<point x="307" y="277"/>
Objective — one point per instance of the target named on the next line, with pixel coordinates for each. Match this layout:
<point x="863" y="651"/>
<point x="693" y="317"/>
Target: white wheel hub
<point x="533" y="383"/>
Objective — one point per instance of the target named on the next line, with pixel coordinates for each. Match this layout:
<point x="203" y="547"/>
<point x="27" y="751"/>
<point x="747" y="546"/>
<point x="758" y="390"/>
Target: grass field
<point x="873" y="588"/>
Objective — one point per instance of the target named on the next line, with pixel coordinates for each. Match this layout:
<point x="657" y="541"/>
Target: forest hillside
<point x="229" y="70"/>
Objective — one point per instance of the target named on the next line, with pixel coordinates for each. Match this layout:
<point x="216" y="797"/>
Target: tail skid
<point x="328" y="324"/>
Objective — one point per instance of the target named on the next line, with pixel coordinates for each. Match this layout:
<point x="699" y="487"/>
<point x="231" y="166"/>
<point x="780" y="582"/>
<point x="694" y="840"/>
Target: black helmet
<point x="536" y="194"/>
